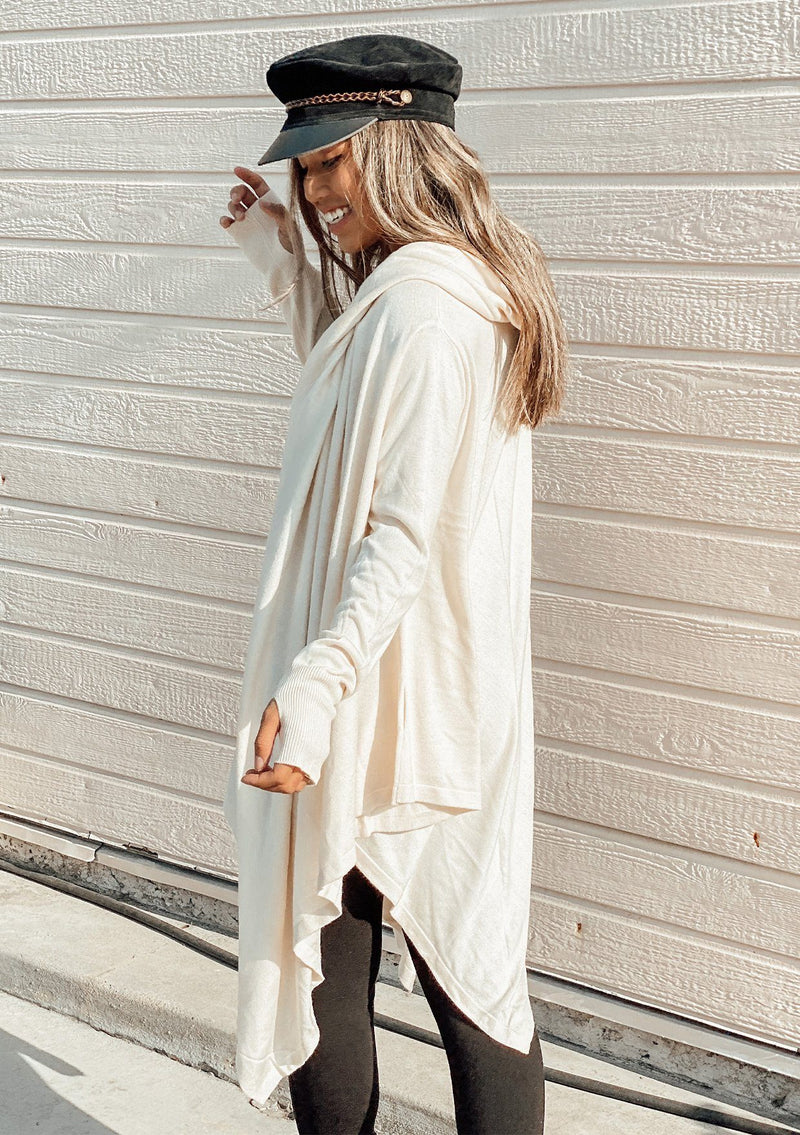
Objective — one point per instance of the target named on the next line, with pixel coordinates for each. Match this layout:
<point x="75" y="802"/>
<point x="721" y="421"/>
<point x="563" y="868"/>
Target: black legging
<point x="497" y="1090"/>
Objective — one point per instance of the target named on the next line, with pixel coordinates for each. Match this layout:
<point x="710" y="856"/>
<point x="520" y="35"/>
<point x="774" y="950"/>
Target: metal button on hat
<point x="332" y="90"/>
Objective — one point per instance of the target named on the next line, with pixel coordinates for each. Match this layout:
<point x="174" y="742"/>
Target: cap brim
<point x="313" y="136"/>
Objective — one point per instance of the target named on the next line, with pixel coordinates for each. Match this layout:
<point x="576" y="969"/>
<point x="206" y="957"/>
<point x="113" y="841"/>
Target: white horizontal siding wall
<point x="652" y="148"/>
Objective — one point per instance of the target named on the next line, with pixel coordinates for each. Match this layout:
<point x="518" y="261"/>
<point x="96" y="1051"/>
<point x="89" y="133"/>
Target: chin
<point x="353" y="245"/>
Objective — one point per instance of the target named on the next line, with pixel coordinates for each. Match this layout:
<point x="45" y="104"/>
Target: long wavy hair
<point x="421" y="182"/>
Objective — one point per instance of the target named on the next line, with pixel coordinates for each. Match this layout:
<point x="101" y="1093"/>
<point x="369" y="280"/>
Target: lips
<point x="330" y="212"/>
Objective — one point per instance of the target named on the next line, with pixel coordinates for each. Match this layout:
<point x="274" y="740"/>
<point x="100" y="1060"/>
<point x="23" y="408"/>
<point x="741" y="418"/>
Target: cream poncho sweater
<point x="392" y="627"/>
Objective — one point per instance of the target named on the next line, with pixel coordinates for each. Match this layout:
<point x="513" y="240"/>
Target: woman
<point x="386" y="702"/>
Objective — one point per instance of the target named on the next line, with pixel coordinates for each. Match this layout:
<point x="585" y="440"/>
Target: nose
<point x="311" y="184"/>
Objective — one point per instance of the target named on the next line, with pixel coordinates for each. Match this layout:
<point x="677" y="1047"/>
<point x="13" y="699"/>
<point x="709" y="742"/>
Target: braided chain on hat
<point x="395" y="98"/>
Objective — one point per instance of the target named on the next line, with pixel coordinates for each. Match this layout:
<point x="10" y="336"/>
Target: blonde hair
<point x="420" y="181"/>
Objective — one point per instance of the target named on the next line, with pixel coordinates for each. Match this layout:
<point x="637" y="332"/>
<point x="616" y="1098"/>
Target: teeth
<point x="336" y="215"/>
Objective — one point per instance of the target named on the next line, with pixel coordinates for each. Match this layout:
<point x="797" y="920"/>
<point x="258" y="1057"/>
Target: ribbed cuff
<point x="257" y="235"/>
<point x="307" y="699"/>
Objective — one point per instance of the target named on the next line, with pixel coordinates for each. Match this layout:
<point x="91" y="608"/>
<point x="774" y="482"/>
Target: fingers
<point x="265" y="738"/>
<point x="281" y="778"/>
<point x="245" y="195"/>
<point x="253" y="179"/>
<point x="263" y="749"/>
<point x="241" y="198"/>
<point x="235" y="208"/>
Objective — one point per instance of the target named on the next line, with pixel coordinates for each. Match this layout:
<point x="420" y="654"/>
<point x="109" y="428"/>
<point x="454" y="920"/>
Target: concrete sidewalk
<point x="78" y="972"/>
<point x="59" y="1076"/>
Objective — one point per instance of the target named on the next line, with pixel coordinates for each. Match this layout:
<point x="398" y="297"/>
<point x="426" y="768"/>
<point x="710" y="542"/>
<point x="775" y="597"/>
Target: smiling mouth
<point x="335" y="216"/>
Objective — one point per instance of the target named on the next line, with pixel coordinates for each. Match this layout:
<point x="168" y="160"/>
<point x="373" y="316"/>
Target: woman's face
<point x="330" y="182"/>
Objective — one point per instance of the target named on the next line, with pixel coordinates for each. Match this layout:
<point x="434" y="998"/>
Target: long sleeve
<point x="423" y="426"/>
<point x="304" y="308"/>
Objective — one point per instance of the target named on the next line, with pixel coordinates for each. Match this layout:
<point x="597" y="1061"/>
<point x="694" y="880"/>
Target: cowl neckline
<point x="464" y="274"/>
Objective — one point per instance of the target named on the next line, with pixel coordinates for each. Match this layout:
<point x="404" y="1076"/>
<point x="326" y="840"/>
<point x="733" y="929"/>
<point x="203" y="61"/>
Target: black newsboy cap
<point x="332" y="90"/>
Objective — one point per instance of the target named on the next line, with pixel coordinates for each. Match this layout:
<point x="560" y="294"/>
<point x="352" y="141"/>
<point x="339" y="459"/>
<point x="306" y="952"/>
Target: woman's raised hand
<point x="251" y="191"/>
